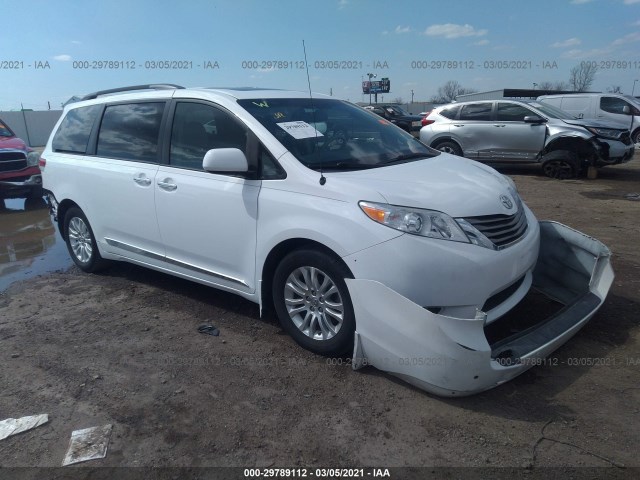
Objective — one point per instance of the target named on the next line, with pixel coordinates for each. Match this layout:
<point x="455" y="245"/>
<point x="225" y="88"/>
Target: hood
<point x="447" y="183"/>
<point x="592" y="122"/>
<point x="13" y="143"/>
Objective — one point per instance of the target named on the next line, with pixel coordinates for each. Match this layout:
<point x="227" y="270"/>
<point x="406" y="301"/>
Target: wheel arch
<point x="277" y="253"/>
<point x="63" y="208"/>
<point x="582" y="147"/>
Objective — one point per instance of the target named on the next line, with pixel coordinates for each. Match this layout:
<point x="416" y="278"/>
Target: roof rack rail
<point x="153" y="86"/>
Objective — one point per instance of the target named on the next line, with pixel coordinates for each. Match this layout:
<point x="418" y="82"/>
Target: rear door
<point x="578" y="105"/>
<point x="474" y="130"/>
<point x="118" y="180"/>
<point x="517" y="140"/>
<point x="207" y="220"/>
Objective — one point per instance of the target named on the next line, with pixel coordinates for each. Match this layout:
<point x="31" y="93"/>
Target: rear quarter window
<point x="74" y="131"/>
<point x="451" y="113"/>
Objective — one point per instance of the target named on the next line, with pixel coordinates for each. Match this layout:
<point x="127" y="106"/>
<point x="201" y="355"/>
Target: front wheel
<point x="81" y="242"/>
<point x="561" y="164"/>
<point x="635" y="138"/>
<point x="313" y="303"/>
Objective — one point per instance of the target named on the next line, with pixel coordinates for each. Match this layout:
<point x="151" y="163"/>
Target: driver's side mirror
<point x="225" y="160"/>
<point x="534" y="119"/>
<point x="626" y="110"/>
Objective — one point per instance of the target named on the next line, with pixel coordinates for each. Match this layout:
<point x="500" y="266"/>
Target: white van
<point x="362" y="239"/>
<point x="608" y="106"/>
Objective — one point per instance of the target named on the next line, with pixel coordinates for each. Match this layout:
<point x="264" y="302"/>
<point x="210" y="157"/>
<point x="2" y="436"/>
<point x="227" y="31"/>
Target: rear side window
<point x="451" y="112"/>
<point x="511" y="112"/>
<point x="476" y="111"/>
<point x="74" y="131"/>
<point x="130" y="131"/>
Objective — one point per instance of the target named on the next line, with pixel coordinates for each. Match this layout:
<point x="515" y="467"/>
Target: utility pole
<point x="411" y="95"/>
<point x="371" y="75"/>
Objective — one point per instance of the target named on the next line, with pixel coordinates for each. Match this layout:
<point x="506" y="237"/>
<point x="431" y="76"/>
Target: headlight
<point x="426" y="223"/>
<point x="605" y="132"/>
<point x="32" y="159"/>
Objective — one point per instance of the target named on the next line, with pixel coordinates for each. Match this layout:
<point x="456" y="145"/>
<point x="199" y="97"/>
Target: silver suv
<point x="526" y="131"/>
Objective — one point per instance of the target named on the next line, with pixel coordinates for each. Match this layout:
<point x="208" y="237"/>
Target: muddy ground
<point x="122" y="347"/>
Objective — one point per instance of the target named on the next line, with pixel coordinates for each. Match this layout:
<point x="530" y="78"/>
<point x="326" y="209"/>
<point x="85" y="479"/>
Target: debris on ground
<point x="13" y="426"/>
<point x="88" y="444"/>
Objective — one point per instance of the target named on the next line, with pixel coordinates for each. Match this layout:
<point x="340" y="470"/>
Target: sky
<point x="54" y="50"/>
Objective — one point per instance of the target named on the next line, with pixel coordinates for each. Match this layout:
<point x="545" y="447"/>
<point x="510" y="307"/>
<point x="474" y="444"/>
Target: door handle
<point x="142" y="180"/>
<point x="167" y="185"/>
<point x="496" y="125"/>
<point x="457" y="125"/>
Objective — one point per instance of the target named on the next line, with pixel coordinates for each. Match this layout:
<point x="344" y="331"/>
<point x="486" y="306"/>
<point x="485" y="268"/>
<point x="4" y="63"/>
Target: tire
<point x="449" y="147"/>
<point x="635" y="137"/>
<point x="561" y="164"/>
<point x="322" y="324"/>
<point x="81" y="242"/>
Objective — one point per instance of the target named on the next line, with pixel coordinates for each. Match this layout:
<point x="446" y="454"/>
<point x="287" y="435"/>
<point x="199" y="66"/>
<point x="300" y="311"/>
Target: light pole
<point x="634" y="87"/>
<point x="370" y="75"/>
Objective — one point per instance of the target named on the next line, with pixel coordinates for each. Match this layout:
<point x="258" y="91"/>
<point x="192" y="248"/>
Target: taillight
<point x="42" y="163"/>
<point x="426" y="121"/>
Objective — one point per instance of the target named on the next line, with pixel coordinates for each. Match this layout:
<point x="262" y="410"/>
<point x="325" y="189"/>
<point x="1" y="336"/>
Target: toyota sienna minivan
<point x="362" y="240"/>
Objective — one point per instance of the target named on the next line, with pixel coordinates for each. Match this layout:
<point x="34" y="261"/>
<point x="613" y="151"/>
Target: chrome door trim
<point x="173" y="261"/>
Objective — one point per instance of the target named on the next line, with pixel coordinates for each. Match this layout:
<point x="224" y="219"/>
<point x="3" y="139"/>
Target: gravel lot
<point x="122" y="347"/>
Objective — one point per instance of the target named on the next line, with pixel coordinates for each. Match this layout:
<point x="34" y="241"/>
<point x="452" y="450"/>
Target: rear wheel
<point x="313" y="303"/>
<point x="81" y="242"/>
<point x="560" y="164"/>
<point x="449" y="147"/>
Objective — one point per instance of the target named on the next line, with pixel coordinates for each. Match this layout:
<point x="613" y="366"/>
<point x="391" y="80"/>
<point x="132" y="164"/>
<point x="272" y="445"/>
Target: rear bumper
<point x="451" y="356"/>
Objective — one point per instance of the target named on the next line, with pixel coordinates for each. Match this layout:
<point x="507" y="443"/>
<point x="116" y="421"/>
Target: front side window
<point x="130" y="131"/>
<point x="512" y="112"/>
<point x="75" y="129"/>
<point x="198" y="128"/>
<point x="335" y="135"/>
<point x="614" y="105"/>
<point x="476" y="111"/>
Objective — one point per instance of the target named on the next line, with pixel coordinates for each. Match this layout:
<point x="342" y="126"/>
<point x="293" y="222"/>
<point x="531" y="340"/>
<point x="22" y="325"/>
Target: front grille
<point x="502" y="230"/>
<point x="12" y="160"/>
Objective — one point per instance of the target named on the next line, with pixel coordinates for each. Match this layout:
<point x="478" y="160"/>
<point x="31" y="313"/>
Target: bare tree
<point x="546" y="85"/>
<point x="581" y="76"/>
<point x="614" y="89"/>
<point x="449" y="91"/>
<point x="397" y="100"/>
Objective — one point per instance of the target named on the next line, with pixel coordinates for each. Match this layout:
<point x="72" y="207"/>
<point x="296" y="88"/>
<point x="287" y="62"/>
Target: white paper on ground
<point x="13" y="426"/>
<point x="88" y="444"/>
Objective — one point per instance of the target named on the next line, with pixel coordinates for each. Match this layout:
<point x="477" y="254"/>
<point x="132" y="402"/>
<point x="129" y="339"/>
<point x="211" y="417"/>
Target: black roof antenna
<point x="323" y="179"/>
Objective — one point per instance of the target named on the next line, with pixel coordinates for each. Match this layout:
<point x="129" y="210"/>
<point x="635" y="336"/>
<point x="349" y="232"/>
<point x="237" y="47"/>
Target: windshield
<point x="5" y="131"/>
<point x="335" y="135"/>
<point x="551" y="111"/>
<point x="397" y="110"/>
<point x="634" y="100"/>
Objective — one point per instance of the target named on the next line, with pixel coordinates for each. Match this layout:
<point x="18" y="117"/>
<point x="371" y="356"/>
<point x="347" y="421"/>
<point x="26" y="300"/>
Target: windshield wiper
<point x="405" y="157"/>
<point x="347" y="166"/>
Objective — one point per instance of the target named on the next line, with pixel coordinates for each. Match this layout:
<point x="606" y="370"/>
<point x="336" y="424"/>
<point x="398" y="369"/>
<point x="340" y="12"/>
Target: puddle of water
<point x="30" y="244"/>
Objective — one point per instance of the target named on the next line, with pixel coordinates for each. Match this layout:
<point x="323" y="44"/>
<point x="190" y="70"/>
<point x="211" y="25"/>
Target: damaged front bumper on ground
<point x="452" y="356"/>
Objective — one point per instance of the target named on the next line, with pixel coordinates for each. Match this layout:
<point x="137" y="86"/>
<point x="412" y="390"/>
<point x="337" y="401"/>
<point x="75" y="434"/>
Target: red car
<point x="19" y="172"/>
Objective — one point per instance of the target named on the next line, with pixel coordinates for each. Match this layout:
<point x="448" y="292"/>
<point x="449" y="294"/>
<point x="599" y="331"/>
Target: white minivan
<point x="364" y="241"/>
<point x="623" y="109"/>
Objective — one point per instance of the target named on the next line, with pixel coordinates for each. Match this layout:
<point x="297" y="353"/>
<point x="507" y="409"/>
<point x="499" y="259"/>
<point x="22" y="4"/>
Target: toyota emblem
<point x="506" y="201"/>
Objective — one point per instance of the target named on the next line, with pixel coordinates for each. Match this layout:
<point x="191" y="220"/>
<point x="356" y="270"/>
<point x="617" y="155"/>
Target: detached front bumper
<point x="451" y="356"/>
